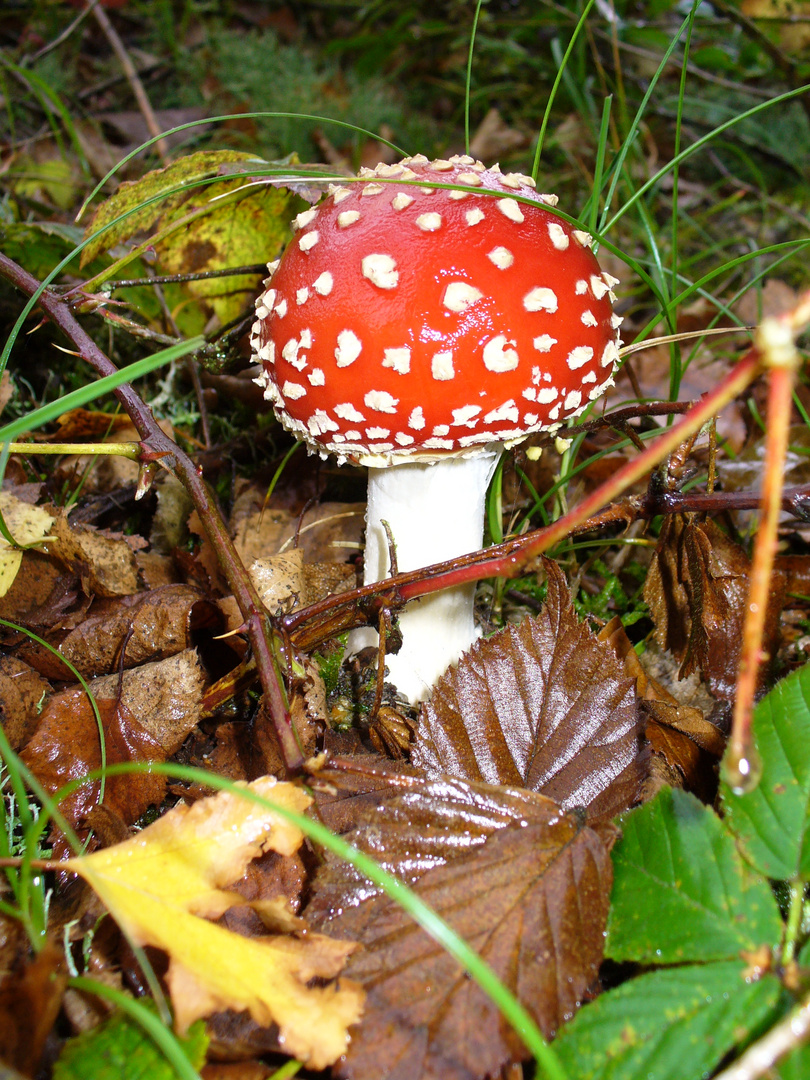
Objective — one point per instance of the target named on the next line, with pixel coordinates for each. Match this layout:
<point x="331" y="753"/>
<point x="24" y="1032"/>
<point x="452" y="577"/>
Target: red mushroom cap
<point x="410" y="322"/>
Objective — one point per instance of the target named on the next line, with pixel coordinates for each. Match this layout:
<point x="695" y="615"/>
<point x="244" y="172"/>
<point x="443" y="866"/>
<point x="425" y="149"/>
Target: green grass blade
<point x="468" y="80"/>
<point x="556" y="85"/>
<point x="93" y="390"/>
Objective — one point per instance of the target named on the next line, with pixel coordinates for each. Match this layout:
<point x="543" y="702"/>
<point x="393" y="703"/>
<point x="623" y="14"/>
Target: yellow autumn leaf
<point x="27" y="524"/>
<point x="159" y="884"/>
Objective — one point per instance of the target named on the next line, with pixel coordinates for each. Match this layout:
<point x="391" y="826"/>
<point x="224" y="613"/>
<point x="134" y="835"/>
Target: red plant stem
<point x="509" y="559"/>
<point x="741" y="768"/>
<point x="510" y="565"/>
<point x="157" y="446"/>
<point x="775" y="341"/>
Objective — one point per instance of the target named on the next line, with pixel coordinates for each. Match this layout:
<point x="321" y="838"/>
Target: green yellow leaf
<point x="201" y="228"/>
<point x="159" y="884"/>
<point x="247" y="229"/>
<point x="133" y="198"/>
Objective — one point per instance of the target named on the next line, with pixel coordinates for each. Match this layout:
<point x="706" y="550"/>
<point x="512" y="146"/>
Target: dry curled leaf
<point x="543" y="705"/>
<point x="697" y="589"/>
<point x="107" y="561"/>
<point x="163" y="884"/>
<point x="133" y="629"/>
<point x="524" y="883"/>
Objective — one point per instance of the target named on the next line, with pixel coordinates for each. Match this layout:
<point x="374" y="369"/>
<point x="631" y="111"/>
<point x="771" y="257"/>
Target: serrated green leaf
<point x="132" y="194"/>
<point x="681" y="890"/>
<point x="796" y="1066"/>
<point x="668" y="1025"/>
<point x="120" y="1049"/>
<point x="771" y="822"/>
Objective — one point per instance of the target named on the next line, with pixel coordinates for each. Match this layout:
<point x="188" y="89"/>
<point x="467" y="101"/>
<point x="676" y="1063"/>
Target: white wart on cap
<point x="406" y="321"/>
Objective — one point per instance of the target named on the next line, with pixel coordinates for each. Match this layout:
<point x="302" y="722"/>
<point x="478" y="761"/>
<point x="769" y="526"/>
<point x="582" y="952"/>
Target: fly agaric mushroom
<point x="418" y="330"/>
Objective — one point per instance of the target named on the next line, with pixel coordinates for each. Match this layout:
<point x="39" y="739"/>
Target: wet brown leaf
<point x="697" y="588"/>
<point x="69" y="722"/>
<point x="524" y="883"/>
<point x="145" y="718"/>
<point x="29" y="1004"/>
<point x="543" y="705"/>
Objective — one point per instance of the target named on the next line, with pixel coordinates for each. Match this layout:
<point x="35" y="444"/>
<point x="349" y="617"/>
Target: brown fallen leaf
<point x="327" y="532"/>
<point x="685" y="745"/>
<point x="22" y="693"/>
<point x="145" y="716"/>
<point x="163" y="885"/>
<point x="543" y="705"/>
<point x="697" y="589"/>
<point x="29" y="1005"/>
<point x="107" y="561"/>
<point x="67" y="746"/>
<point x="133" y="629"/>
<point x="524" y="883"/>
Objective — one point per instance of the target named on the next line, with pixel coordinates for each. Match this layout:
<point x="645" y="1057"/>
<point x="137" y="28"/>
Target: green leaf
<point x="681" y="890"/>
<point x="667" y="1025"/>
<point x="796" y="1066"/>
<point x="120" y="1049"/>
<point x="39" y="246"/>
<point x="771" y="822"/>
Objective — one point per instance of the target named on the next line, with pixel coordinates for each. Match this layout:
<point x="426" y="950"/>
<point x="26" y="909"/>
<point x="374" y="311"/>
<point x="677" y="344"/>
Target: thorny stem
<point x="512" y="564"/>
<point x="742" y="767"/>
<point x="774" y="340"/>
<point x="337" y="613"/>
<point x="345" y="611"/>
<point x="157" y="446"/>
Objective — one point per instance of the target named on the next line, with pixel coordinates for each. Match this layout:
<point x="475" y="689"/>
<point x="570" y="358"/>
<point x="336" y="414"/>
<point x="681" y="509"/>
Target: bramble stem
<point x="774" y="340"/>
<point x="158" y="447"/>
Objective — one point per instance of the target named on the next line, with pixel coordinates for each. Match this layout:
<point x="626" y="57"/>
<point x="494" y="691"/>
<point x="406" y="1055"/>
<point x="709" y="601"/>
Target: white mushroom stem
<point x="435" y="512"/>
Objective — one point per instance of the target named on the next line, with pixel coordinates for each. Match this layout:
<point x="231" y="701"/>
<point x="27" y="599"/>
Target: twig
<point x="338" y="613"/>
<point x="785" y="1036"/>
<point x="774" y="339"/>
<point x="158" y="447"/>
<point x="176" y="279"/>
<point x="133" y="78"/>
